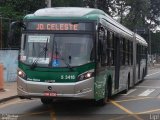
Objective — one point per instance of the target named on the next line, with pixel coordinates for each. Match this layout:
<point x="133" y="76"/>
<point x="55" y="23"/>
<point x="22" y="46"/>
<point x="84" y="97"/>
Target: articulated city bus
<point x="77" y="53"/>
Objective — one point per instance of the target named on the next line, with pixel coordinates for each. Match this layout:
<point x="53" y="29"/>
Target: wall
<point x="9" y="60"/>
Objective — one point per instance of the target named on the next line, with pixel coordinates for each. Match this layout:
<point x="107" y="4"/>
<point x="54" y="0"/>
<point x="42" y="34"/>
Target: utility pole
<point x="48" y="3"/>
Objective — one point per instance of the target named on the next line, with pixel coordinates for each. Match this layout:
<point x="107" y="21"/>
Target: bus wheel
<point x="46" y="100"/>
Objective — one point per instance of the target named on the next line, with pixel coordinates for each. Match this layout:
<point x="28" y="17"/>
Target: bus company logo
<point x="36" y="80"/>
<point x="50" y="81"/>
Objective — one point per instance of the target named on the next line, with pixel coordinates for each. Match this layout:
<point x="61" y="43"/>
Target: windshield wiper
<point x="44" y="51"/>
<point x="67" y="64"/>
<point x="60" y="57"/>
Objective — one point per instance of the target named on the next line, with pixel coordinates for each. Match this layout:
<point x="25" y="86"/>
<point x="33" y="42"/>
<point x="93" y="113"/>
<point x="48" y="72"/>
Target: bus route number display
<point x="59" y="26"/>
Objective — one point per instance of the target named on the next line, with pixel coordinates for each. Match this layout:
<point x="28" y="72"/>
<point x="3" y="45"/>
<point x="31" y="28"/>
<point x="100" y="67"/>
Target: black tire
<point x="46" y="101"/>
<point x="21" y="97"/>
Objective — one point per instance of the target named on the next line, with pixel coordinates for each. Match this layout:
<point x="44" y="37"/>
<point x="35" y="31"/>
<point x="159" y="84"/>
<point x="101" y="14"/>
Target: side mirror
<point x="14" y="31"/>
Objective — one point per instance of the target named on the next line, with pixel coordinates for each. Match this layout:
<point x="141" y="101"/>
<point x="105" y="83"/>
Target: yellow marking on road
<point x="133" y="99"/>
<point x="126" y="110"/>
<point x="14" y="102"/>
<point x="34" y="113"/>
<point x="121" y="117"/>
<point x="53" y="115"/>
<point x="5" y="104"/>
<point x="150" y="111"/>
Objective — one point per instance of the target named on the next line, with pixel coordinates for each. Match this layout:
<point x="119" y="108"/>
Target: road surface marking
<point x="129" y="92"/>
<point x="152" y="74"/>
<point x="150" y="87"/>
<point x="34" y="113"/>
<point x="133" y="99"/>
<point x="147" y="92"/>
<point x="150" y="111"/>
<point x="53" y="115"/>
<point x="126" y="110"/>
<point x="2" y="105"/>
<point x="11" y="102"/>
<point x="121" y="117"/>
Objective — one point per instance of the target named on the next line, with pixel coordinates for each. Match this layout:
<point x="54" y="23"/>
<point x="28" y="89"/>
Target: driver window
<point x="102" y="45"/>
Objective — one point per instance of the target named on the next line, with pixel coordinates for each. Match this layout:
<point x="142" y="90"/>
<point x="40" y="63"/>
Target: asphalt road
<point x="140" y="103"/>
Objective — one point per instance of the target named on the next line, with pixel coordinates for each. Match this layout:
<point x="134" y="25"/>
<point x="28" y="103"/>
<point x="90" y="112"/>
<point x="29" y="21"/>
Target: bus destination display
<point x="59" y="26"/>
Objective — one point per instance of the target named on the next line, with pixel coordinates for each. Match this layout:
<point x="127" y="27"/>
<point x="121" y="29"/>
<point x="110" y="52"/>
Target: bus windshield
<point x="56" y="50"/>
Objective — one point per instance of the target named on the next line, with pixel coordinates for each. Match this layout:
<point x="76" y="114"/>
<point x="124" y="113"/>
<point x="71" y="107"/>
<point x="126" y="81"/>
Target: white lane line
<point x="152" y="74"/>
<point x="149" y="87"/>
<point x="129" y="92"/>
<point x="147" y="92"/>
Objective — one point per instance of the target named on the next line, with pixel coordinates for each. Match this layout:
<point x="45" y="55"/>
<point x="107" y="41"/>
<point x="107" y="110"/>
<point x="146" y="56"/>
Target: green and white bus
<point x="77" y="53"/>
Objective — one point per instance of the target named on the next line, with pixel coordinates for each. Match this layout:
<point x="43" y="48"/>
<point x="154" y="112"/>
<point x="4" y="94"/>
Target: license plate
<point x="53" y="94"/>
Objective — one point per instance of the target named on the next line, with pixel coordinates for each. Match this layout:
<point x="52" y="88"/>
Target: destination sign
<point x="59" y="26"/>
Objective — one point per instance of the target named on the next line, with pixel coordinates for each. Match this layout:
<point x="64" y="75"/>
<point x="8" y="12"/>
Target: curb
<point x="8" y="98"/>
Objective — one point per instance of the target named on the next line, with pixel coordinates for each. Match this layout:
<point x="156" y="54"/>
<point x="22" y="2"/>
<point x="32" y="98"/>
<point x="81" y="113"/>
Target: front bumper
<point x="79" y="90"/>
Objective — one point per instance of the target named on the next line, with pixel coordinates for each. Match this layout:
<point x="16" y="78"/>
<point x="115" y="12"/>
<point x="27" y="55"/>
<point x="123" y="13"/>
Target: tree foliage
<point x="154" y="13"/>
<point x="132" y="13"/>
<point x="67" y="3"/>
<point x="105" y="5"/>
<point x="139" y="10"/>
<point x="16" y="9"/>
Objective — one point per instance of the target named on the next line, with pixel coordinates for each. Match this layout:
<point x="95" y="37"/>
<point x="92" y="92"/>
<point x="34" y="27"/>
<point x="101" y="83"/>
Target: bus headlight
<point x="86" y="75"/>
<point x="21" y="74"/>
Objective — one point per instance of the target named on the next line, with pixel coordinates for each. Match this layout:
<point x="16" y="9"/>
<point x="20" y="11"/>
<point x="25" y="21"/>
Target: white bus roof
<point x="67" y="11"/>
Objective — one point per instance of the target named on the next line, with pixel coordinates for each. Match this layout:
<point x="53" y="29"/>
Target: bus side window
<point x="131" y="53"/>
<point x="110" y="48"/>
<point x="121" y="52"/>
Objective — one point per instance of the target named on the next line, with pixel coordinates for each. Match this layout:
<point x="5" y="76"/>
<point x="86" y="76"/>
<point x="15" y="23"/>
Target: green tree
<point x="105" y="5"/>
<point x="90" y="3"/>
<point x="16" y="9"/>
<point x="67" y="3"/>
<point x="154" y="14"/>
<point x="138" y="12"/>
<point x="121" y="9"/>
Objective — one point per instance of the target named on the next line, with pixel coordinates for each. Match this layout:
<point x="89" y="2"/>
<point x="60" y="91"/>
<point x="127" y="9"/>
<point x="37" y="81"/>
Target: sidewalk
<point x="10" y="91"/>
